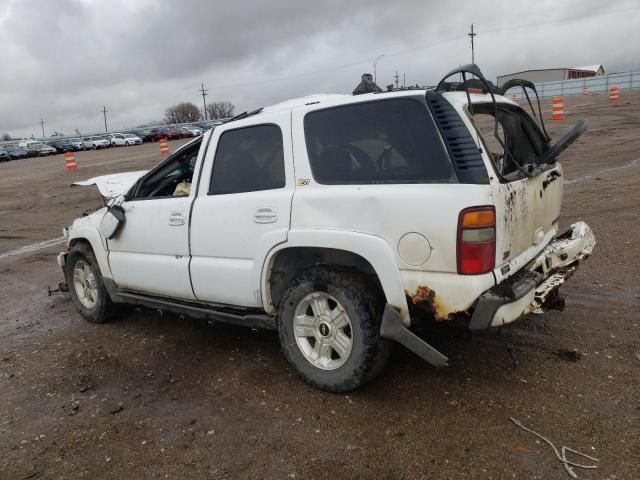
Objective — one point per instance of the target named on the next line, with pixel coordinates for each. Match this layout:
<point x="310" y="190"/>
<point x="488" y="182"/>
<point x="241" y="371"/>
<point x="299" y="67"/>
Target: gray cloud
<point x="66" y="59"/>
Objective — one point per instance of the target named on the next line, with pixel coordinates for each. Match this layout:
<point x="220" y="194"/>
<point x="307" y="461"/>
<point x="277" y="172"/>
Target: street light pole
<point x="375" y="62"/>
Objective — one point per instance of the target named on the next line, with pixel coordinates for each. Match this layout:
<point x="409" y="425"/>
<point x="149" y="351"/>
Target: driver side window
<point x="172" y="178"/>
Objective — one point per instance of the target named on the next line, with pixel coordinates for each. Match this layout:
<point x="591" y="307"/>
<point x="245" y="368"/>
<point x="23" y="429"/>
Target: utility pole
<point x="42" y="122"/>
<point x="104" y="112"/>
<point x="404" y="80"/>
<point x="471" y="34"/>
<point x="375" y="62"/>
<point x="203" y="91"/>
<point x="396" y="78"/>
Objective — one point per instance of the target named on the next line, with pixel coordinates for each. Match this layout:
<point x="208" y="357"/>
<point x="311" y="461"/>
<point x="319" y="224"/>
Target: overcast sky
<point x="64" y="59"/>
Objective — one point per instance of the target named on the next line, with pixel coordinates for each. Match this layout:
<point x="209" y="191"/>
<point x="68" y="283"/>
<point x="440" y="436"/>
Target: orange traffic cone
<point x="585" y="91"/>
<point x="557" y="109"/>
<point x="164" y="147"/>
<point x="514" y="98"/>
<point x="613" y="94"/>
<point x="70" y="161"/>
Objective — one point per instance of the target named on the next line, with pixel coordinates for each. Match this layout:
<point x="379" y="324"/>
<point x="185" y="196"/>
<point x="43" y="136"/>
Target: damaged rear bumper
<point x="537" y="283"/>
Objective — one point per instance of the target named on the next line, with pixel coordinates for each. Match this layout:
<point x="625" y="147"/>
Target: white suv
<point x="338" y="221"/>
<point x="95" y="142"/>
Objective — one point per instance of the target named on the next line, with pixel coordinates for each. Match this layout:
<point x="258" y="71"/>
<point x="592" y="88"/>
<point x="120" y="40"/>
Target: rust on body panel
<point x="425" y="298"/>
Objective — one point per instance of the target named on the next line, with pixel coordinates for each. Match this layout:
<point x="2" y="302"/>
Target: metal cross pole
<point x="204" y="91"/>
<point x="471" y="34"/>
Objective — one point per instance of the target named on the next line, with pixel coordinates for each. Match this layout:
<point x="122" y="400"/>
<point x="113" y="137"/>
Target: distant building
<point x="366" y="85"/>
<point x="553" y="74"/>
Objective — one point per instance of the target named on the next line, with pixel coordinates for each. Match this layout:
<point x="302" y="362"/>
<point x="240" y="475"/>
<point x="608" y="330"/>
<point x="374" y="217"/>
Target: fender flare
<point x="373" y="249"/>
<point x="94" y="238"/>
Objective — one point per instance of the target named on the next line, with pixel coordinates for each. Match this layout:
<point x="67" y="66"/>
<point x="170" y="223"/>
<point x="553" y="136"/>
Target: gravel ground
<point x="153" y="395"/>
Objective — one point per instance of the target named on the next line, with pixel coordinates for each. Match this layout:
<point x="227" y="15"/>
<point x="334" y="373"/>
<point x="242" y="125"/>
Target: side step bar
<point x="242" y="319"/>
<point x="393" y="329"/>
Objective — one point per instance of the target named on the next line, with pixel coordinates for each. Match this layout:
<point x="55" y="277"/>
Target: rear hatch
<point x="526" y="180"/>
<point x="527" y="193"/>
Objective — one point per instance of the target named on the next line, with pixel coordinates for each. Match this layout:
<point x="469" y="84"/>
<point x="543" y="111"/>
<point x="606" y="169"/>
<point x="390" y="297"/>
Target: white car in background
<point x="194" y="130"/>
<point x="95" y="143"/>
<point x="125" y="139"/>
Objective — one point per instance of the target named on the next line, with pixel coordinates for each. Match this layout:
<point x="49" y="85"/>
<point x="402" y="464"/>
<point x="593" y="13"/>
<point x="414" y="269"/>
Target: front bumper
<point x="537" y="284"/>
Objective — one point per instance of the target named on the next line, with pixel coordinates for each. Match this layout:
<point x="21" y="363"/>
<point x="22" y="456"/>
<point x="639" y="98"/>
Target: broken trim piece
<point x="393" y="329"/>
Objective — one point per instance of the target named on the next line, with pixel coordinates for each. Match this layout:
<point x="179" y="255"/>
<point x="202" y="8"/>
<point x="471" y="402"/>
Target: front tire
<point x="86" y="287"/>
<point x="329" y="328"/>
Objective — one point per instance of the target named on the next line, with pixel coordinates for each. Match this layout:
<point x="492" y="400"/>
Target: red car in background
<point x="167" y="133"/>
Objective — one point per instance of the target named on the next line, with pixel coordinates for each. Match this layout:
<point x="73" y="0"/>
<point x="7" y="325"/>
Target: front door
<point x="150" y="254"/>
<point x="242" y="209"/>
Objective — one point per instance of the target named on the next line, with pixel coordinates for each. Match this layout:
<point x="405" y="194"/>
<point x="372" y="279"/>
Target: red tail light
<point x="476" y="240"/>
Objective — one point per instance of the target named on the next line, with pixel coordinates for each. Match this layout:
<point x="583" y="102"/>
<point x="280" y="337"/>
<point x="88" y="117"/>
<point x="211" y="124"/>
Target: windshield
<point x="520" y="144"/>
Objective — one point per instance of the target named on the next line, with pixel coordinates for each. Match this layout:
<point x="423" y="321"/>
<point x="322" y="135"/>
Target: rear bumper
<point x="537" y="284"/>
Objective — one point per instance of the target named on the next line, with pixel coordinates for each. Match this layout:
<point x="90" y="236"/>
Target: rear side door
<point x="242" y="208"/>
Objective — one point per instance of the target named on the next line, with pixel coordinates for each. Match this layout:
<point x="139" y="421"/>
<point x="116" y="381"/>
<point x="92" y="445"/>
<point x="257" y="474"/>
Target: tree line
<point x="187" y="112"/>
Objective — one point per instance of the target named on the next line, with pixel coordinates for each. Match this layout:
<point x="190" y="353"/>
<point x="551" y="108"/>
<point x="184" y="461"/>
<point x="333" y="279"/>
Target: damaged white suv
<point x="335" y="220"/>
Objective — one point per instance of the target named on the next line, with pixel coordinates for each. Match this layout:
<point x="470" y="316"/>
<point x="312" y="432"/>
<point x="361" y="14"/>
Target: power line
<point x="421" y="47"/>
<point x="203" y="91"/>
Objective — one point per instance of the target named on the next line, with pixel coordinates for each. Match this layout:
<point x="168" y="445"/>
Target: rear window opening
<point x="520" y="146"/>
<point x="381" y="142"/>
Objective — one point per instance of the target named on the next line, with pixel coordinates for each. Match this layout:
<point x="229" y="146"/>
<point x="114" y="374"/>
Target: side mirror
<point x="112" y="221"/>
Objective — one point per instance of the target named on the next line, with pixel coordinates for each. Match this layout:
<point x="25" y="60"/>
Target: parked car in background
<point x="142" y="133"/>
<point x="93" y="143"/>
<point x="167" y="133"/>
<point x="36" y="148"/>
<point x="124" y="139"/>
<point x="16" y="152"/>
<point x="61" y="145"/>
<point x="4" y="155"/>
<point x="193" y="131"/>
<point x="77" y="143"/>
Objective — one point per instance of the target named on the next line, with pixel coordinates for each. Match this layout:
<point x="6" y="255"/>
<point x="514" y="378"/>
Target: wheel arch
<point x="364" y="253"/>
<point x="94" y="240"/>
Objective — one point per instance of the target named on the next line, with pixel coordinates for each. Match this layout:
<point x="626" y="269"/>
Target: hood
<point x="110" y="186"/>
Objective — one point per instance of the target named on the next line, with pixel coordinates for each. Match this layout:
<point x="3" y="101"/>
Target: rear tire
<point x="86" y="287"/>
<point x="329" y="328"/>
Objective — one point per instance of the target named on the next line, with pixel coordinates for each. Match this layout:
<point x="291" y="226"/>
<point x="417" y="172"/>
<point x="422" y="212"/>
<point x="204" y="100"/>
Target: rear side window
<point x="386" y="141"/>
<point x="248" y="160"/>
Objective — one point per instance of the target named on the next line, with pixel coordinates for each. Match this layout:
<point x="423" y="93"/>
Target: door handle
<point x="265" y="215"/>
<point x="176" y="219"/>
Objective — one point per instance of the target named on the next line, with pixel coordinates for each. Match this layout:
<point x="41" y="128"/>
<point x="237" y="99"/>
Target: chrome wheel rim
<point x="84" y="284"/>
<point x="322" y="329"/>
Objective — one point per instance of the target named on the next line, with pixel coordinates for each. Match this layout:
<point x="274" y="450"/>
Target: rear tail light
<point x="476" y="240"/>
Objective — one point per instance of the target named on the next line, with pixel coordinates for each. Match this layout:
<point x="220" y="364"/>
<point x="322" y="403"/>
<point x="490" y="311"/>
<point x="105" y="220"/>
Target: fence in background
<point x="596" y="85"/>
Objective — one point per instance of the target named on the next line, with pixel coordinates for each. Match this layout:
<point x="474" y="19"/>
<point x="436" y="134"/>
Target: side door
<point x="150" y="254"/>
<point x="242" y="209"/>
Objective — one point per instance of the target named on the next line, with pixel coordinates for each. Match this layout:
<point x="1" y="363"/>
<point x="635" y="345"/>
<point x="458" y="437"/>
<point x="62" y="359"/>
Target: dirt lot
<point x="157" y="396"/>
